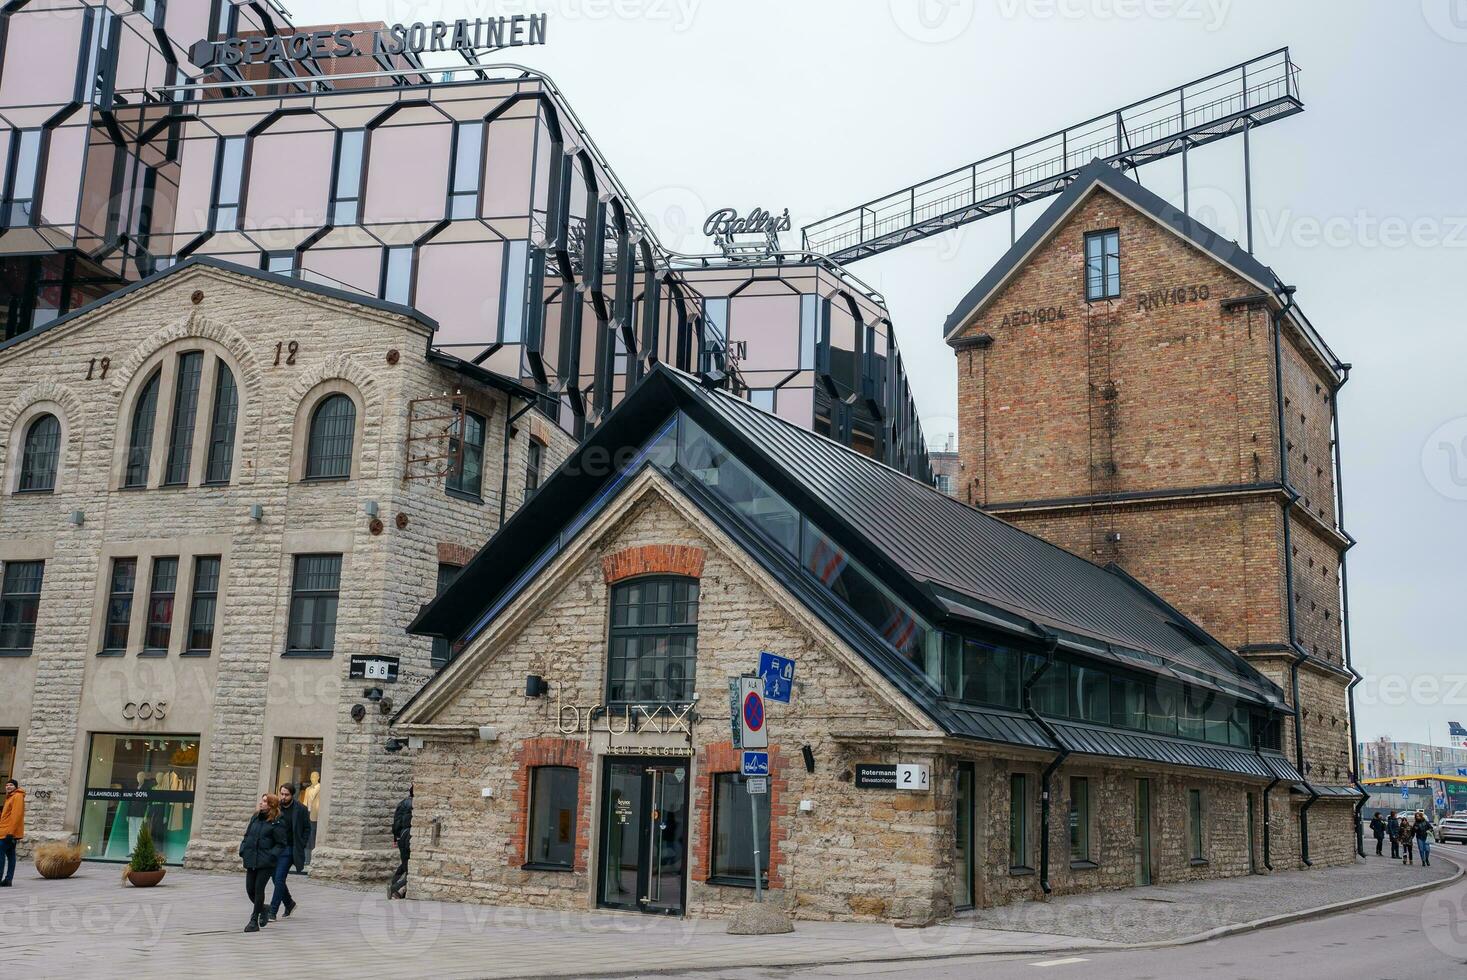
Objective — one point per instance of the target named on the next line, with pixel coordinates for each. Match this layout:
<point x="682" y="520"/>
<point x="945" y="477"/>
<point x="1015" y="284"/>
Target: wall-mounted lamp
<point x="536" y="686"/>
<point x="809" y="756"/>
<point x="372" y="693"/>
<point x="257" y="512"/>
<point x="77" y="518"/>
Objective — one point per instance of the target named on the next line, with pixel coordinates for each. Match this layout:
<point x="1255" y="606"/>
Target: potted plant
<point x="56" y="859"/>
<point x="145" y="867"/>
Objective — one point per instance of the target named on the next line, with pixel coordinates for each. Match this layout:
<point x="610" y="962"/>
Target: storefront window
<point x="554" y="794"/>
<point x="301" y="762"/>
<point x="9" y="739"/>
<point x="654" y="640"/>
<point x="733" y="836"/>
<point x="132" y="782"/>
<point x="1079" y="819"/>
<point x="963" y="826"/>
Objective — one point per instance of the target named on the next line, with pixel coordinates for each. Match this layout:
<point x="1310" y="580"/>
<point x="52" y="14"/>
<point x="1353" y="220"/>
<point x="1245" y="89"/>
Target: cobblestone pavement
<point x="92" y="925"/>
<point x="1169" y="912"/>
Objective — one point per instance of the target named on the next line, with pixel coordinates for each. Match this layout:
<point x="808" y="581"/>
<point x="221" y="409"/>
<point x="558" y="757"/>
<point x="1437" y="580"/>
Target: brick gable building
<point x="1146" y="394"/>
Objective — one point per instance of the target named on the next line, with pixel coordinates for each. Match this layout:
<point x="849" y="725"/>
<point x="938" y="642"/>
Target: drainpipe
<point x="1355" y="677"/>
<point x="1277" y="316"/>
<point x="1051" y="643"/>
<point x="1267" y="860"/>
<point x="504" y="462"/>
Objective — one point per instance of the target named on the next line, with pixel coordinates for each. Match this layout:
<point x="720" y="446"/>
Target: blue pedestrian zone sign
<point x="1405" y="793"/>
<point x="779" y="676"/>
<point x="755" y="764"/>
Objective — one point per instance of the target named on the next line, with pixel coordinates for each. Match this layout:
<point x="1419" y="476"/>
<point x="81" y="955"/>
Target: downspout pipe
<point x="1051" y="643"/>
<point x="1355" y="677"/>
<point x="1286" y="297"/>
<point x="1267" y="858"/>
<point x="504" y="462"/>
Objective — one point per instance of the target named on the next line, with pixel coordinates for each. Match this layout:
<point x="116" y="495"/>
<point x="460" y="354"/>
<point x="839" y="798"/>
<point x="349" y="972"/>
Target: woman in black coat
<point x="265" y="839"/>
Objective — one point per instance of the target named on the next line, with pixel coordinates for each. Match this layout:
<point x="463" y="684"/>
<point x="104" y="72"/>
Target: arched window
<point x="220" y="463"/>
<point x="140" y="437"/>
<point x="654" y="640"/>
<point x="328" y="448"/>
<point x="40" y="455"/>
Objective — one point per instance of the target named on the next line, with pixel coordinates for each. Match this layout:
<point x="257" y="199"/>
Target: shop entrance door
<point x="644" y="836"/>
<point x="1143" y="831"/>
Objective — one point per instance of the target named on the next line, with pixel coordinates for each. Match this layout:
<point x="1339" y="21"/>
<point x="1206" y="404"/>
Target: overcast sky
<point x="818" y="105"/>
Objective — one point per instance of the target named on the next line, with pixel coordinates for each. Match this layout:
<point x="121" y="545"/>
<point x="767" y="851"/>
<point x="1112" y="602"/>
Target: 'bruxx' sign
<point x="399" y="39"/>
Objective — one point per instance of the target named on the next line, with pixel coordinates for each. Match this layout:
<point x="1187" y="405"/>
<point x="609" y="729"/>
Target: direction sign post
<point x="753" y="734"/>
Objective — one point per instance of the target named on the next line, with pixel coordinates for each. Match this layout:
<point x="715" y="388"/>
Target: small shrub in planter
<point x="58" y="860"/>
<point x="145" y="867"/>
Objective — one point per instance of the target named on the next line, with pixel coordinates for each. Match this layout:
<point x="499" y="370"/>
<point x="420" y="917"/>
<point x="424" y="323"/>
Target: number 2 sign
<point x="912" y="776"/>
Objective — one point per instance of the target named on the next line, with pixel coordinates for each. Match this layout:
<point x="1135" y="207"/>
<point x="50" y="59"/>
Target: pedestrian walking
<point x="402" y="836"/>
<point x="1378" y="829"/>
<point x="264" y="842"/>
<point x="1393" y="831"/>
<point x="1422" y="829"/>
<point x="12" y="830"/>
<point x="1408" y="846"/>
<point x="297" y="820"/>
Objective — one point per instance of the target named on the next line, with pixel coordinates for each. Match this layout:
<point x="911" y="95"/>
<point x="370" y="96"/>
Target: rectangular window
<point x="314" y="591"/>
<point x="9" y="742"/>
<point x="468" y="152"/>
<point x="1102" y="265"/>
<point x="964" y="824"/>
<point x="809" y="311"/>
<point x="715" y="333"/>
<point x="185" y="410"/>
<point x="554" y="799"/>
<point x="512" y="316"/>
<point x="119" y="605"/>
<point x="1080" y="820"/>
<point x="732" y="858"/>
<point x="467" y="473"/>
<point x="1018" y="820"/>
<point x="99" y="70"/>
<point x="228" y="178"/>
<point x="20" y="602"/>
<point x="654" y="641"/>
<point x="18" y="207"/>
<point x="1194" y="823"/>
<point x="160" y="605"/>
<point x="443" y="650"/>
<point x="397" y="274"/>
<point x="534" y="463"/>
<point x="280" y="263"/>
<point x="346" y="188"/>
<point x="1090" y="694"/>
<point x="204" y="606"/>
<point x="220" y="465"/>
<point x="762" y="398"/>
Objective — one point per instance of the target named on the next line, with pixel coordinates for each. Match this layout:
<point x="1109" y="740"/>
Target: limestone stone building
<point x="976" y="716"/>
<point x="225" y="493"/>
<point x="1148" y="395"/>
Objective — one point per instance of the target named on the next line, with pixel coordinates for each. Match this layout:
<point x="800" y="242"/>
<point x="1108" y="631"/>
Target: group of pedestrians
<point x="1408" y="836"/>
<point x="274" y="842"/>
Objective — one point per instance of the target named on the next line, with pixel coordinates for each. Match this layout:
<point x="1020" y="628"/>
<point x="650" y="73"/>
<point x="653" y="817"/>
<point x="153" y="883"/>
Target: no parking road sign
<point x="753" y="734"/>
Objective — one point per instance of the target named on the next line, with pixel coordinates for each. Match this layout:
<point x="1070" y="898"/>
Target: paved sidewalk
<point x="1167" y="913"/>
<point x="92" y="925"/>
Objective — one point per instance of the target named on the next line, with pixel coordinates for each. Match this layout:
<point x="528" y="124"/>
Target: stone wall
<point x="244" y="695"/>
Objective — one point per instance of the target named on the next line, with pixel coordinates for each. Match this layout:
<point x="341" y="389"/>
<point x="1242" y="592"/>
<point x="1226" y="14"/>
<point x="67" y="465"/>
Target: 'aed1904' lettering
<point x="1023" y="318"/>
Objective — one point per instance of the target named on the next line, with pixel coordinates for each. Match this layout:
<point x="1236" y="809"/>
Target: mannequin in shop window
<point x="311" y="797"/>
<point x="137" y="809"/>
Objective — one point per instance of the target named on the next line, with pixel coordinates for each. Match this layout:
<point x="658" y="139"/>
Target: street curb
<point x="1236" y="928"/>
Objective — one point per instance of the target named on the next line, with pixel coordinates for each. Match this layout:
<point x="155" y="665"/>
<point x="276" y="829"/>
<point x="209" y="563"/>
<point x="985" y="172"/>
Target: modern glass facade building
<point x="473" y="194"/>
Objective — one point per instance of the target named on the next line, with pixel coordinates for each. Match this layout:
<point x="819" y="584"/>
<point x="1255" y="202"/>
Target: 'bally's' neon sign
<point x="399" y="39"/>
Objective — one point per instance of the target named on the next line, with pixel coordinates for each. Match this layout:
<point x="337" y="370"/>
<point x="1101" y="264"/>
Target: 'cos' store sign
<point x="145" y="710"/>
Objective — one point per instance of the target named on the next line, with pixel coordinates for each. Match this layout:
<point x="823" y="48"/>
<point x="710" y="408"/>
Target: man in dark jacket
<point x="402" y="836"/>
<point x="1393" y="831"/>
<point x="1378" y="828"/>
<point x="297" y="821"/>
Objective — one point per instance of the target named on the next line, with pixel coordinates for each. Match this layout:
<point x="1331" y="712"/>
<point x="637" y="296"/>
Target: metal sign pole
<point x="754" y="822"/>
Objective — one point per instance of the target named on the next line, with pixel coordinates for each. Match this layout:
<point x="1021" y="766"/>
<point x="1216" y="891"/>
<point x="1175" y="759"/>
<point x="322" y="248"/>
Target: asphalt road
<point x="1421" y="937"/>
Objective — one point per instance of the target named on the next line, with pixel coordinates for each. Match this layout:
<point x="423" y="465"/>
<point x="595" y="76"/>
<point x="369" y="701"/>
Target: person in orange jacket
<point x="12" y="829"/>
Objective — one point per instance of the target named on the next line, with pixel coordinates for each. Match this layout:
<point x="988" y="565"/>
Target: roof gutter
<point x="1345" y="621"/>
<point x="1051" y="643"/>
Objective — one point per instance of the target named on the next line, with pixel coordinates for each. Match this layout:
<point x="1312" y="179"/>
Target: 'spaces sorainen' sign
<point x="345" y="42"/>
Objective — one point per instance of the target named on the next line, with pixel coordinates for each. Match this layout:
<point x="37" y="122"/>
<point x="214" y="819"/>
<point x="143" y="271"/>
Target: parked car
<point x="1453" y="828"/>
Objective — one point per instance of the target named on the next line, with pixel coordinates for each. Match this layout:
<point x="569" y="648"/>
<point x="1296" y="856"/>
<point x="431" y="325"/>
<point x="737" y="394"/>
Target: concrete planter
<point x="146" y="879"/>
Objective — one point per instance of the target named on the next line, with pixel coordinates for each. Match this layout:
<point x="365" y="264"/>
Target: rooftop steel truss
<point x="1220" y="105"/>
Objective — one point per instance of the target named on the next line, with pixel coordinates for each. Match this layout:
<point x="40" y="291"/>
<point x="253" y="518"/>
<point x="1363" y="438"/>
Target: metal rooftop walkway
<point x="1202" y="111"/>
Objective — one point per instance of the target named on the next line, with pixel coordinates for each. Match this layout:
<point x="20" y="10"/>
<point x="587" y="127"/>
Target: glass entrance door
<point x="644" y="836"/>
<point x="1143" y="831"/>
